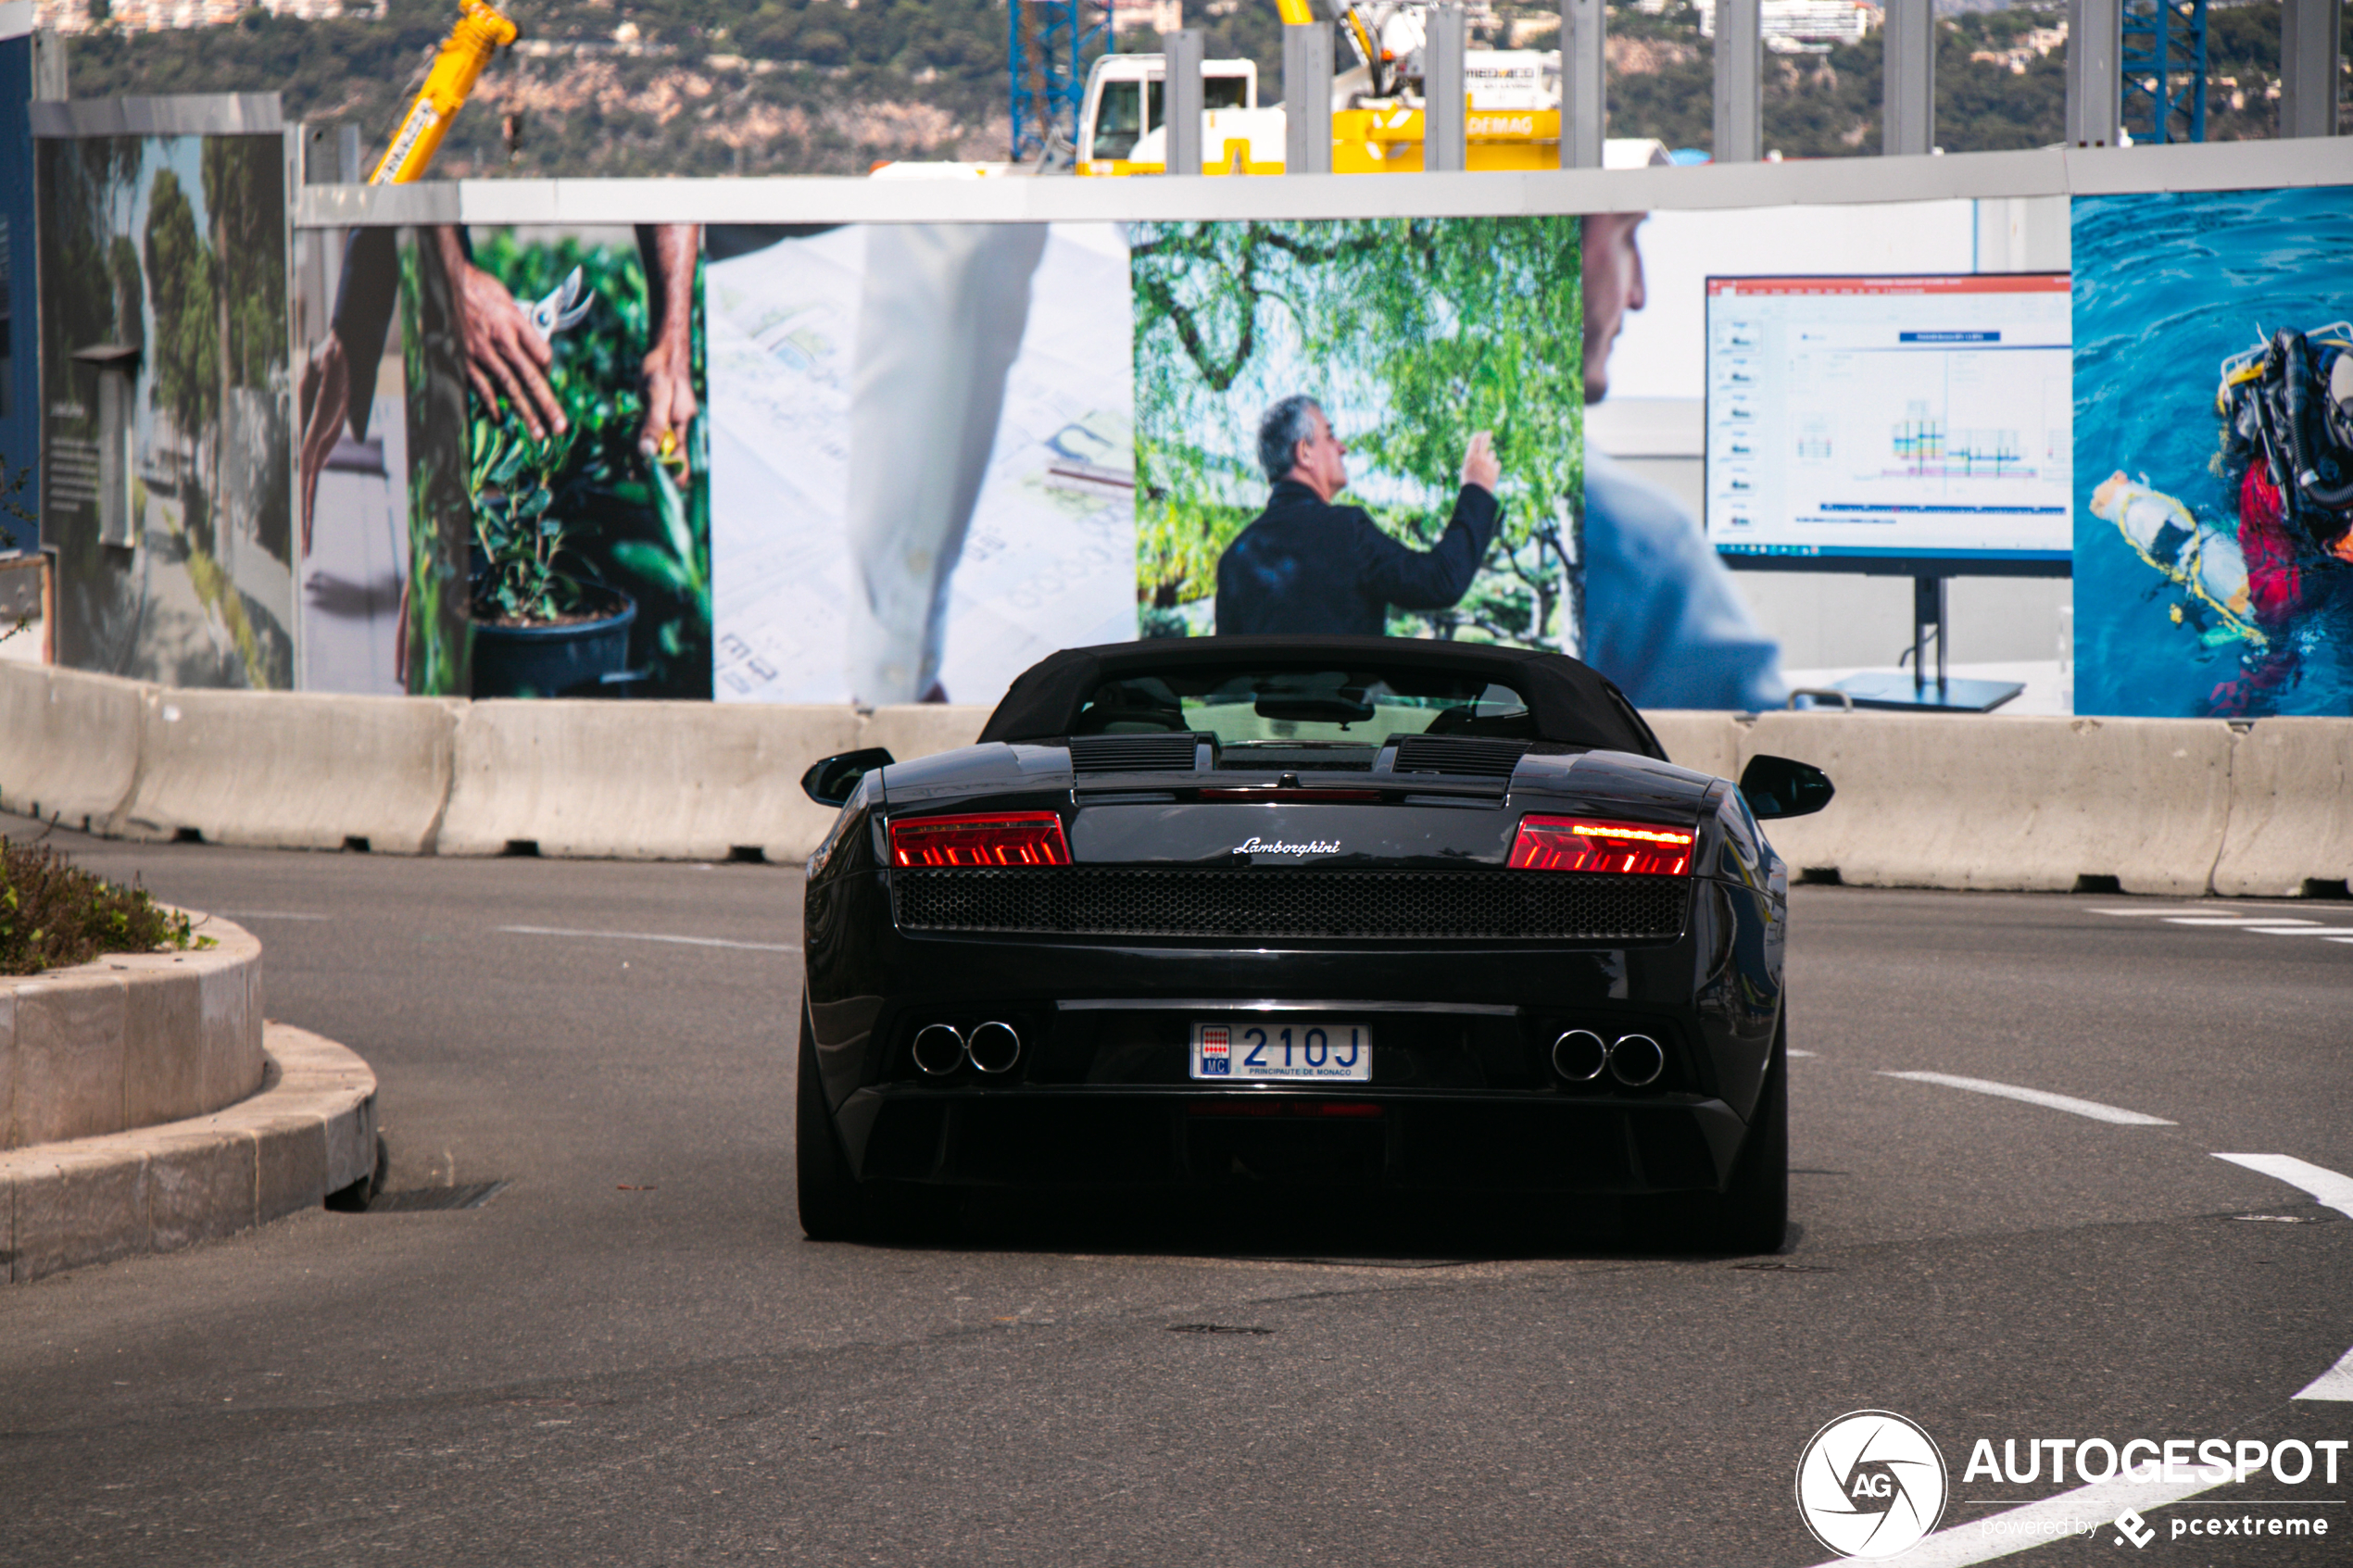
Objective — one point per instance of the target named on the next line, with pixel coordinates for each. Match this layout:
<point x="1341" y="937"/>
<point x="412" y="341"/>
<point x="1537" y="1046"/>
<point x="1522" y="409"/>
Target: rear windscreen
<point x="1289" y="705"/>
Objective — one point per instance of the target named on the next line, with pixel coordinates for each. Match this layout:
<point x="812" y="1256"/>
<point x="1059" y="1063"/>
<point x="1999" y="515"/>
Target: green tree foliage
<point x="245" y="194"/>
<point x="1414" y="334"/>
<point x="183" y="284"/>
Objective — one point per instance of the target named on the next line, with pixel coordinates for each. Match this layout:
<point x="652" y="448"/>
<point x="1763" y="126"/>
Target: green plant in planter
<point x="54" y="914"/>
<point x="614" y="522"/>
<point x="514" y="483"/>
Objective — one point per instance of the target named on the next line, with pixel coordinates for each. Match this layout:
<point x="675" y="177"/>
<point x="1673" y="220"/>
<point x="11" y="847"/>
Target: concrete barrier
<point x="1978" y="801"/>
<point x="922" y="728"/>
<point x="130" y="1040"/>
<point x="309" y="1131"/>
<point x="1708" y="742"/>
<point x="2291" y="809"/>
<point x="289" y="769"/>
<point x="652" y="781"/>
<point x="2162" y="806"/>
<point x="69" y="743"/>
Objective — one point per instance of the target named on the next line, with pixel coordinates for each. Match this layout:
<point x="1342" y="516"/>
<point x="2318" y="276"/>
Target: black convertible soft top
<point x="1571" y="703"/>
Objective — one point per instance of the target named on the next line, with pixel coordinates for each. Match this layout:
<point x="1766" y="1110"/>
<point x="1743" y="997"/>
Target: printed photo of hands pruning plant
<point x="588" y="472"/>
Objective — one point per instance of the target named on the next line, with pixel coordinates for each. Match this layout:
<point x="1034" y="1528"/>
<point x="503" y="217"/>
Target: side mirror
<point x="833" y="780"/>
<point x="1775" y="786"/>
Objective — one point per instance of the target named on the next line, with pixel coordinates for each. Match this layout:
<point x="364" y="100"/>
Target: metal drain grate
<point x="418" y="1200"/>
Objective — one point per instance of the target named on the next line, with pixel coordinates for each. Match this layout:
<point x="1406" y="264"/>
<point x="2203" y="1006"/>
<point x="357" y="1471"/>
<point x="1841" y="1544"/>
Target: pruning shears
<point x="564" y="306"/>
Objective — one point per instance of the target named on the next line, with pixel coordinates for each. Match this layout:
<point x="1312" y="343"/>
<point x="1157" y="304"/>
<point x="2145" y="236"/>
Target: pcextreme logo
<point x="1871" y="1484"/>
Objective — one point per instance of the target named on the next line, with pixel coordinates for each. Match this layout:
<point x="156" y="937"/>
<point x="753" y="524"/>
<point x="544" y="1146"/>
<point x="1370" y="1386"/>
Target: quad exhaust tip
<point x="1635" y="1061"/>
<point x="994" y="1048"/>
<point x="941" y="1048"/>
<point x="1580" y="1055"/>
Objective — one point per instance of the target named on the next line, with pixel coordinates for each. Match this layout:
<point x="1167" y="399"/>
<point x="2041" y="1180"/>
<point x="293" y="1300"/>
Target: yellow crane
<point x="480" y="31"/>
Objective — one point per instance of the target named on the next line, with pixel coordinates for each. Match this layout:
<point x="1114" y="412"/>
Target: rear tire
<point x="1753" y="1214"/>
<point x="832" y="1207"/>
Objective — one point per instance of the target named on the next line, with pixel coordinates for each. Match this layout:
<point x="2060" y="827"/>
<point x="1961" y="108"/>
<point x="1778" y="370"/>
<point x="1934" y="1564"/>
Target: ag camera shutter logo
<point x="1872" y="1484"/>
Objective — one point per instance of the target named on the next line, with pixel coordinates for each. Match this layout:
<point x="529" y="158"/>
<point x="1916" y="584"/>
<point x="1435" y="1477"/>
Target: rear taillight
<point x="1018" y="838"/>
<point x="1576" y="844"/>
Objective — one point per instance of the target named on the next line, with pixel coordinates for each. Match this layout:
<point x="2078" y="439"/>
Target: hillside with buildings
<point x="641" y="87"/>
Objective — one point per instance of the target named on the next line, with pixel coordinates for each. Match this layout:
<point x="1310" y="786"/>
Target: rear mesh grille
<point x="1132" y="754"/>
<point x="1451" y="754"/>
<point x="1148" y="901"/>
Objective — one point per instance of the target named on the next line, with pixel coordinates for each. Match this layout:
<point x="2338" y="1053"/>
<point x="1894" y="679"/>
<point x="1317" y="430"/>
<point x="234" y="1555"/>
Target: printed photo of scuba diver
<point x="2214" y="453"/>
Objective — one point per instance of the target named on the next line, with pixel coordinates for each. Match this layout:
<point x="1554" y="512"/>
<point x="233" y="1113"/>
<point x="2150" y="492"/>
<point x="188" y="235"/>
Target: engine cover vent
<point x="1459" y="754"/>
<point x="1132" y="754"/>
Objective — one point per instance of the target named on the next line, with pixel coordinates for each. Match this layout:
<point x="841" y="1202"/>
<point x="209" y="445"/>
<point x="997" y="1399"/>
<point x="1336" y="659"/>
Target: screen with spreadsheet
<point x="1861" y="420"/>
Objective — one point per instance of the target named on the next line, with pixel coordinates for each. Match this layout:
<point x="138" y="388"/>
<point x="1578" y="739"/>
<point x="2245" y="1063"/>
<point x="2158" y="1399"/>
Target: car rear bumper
<point x="1369" y="1140"/>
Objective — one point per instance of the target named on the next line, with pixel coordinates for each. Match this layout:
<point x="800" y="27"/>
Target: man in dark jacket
<point x="1305" y="565"/>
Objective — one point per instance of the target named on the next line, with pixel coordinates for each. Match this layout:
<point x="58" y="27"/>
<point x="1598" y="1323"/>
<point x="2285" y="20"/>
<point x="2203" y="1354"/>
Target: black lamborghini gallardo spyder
<point x="1265" y="913"/>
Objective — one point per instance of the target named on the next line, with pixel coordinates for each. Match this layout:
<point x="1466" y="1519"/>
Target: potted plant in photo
<point x="539" y="631"/>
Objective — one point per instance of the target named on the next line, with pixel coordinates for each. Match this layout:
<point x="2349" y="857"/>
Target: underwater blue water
<point x="2166" y="287"/>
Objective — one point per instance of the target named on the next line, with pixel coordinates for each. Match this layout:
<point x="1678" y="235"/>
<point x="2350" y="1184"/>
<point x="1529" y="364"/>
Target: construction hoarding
<point x="166" y="399"/>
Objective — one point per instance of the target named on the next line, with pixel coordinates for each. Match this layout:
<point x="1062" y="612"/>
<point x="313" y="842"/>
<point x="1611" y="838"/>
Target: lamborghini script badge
<point x="1256" y="845"/>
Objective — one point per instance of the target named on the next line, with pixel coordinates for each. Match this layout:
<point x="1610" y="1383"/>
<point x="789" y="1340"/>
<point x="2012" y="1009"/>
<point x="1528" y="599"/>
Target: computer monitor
<point x="1907" y="425"/>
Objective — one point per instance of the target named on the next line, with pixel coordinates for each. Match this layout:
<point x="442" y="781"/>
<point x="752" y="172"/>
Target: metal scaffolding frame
<point x="2163" y="67"/>
<point x="1050" y="48"/>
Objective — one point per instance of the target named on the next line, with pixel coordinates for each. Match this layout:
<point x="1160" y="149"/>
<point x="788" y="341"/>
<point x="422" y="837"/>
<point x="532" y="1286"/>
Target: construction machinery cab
<point x="1125" y="101"/>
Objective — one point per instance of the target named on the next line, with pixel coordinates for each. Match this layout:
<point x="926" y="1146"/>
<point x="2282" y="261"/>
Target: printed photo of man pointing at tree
<point x="1306" y="565"/>
<point x="1409" y="391"/>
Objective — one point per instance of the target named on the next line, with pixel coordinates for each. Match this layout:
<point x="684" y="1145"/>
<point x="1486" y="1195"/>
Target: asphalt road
<point x="629" y="1355"/>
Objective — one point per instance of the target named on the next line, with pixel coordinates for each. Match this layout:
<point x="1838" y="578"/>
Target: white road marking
<point x="2304" y="930"/>
<point x="266" y="914"/>
<point x="1794" y="1052"/>
<point x="2234" y="919"/>
<point x="2336" y="1383"/>
<point x="2336" y="1192"/>
<point x="2092" y="1109"/>
<point x="2040" y="1523"/>
<point x="2129" y="914"/>
<point x="2332" y="1189"/>
<point x="654" y="936"/>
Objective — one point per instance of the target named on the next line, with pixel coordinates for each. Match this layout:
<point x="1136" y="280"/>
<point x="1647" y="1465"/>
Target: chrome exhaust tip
<point x="939" y="1050"/>
<point x="1580" y="1055"/>
<point x="1636" y="1061"/>
<point x="994" y="1048"/>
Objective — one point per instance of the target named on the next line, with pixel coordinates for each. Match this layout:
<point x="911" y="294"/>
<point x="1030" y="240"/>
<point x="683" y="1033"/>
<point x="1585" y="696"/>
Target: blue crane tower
<point x="1051" y="46"/>
<point x="2163" y="64"/>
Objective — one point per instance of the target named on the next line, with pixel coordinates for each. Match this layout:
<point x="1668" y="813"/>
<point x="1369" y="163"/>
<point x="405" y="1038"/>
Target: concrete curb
<point x="311" y="1131"/>
<point x="131" y="1040"/>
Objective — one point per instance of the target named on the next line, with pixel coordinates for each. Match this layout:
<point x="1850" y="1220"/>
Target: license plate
<point x="1259" y="1049"/>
